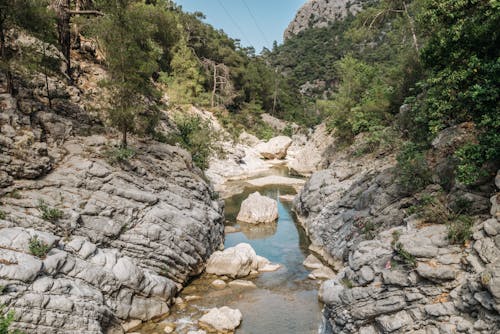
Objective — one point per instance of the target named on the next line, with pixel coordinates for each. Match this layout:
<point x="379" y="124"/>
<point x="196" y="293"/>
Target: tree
<point x="222" y="87"/>
<point x="186" y="79"/>
<point x="131" y="56"/>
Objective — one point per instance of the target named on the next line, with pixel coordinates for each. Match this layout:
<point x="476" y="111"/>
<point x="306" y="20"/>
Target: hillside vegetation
<point x="438" y="58"/>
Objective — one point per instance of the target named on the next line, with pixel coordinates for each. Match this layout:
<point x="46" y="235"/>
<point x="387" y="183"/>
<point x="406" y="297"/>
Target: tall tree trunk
<point x="124" y="137"/>
<point x="46" y="77"/>
<point x="215" y="85"/>
<point x="64" y="31"/>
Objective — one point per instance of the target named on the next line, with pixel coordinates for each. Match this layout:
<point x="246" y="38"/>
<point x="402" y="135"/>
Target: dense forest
<point x="440" y="59"/>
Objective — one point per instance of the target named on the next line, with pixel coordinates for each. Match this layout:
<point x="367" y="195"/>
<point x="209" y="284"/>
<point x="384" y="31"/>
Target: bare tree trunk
<point x="46" y="78"/>
<point x="412" y="28"/>
<point x="215" y="86"/>
<point x="275" y="97"/>
<point x="124" y="137"/>
<point x="64" y="31"/>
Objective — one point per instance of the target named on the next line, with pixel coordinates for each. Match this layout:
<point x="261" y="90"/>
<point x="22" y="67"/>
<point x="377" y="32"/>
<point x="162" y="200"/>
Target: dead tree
<point x="222" y="87"/>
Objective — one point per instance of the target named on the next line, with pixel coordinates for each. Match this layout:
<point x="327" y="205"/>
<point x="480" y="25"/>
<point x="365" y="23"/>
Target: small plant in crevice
<point x="3" y="215"/>
<point x="413" y="173"/>
<point x="37" y="247"/>
<point x="15" y="194"/>
<point x="460" y="229"/>
<point x="347" y="283"/>
<point x="48" y="213"/>
<point x="402" y="255"/>
<point x="119" y="155"/>
<point x="368" y="229"/>
<point x="6" y="320"/>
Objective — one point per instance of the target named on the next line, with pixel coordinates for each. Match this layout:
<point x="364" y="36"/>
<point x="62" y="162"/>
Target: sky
<point x="255" y="23"/>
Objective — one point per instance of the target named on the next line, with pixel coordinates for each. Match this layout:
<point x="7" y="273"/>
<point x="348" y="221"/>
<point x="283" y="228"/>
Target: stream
<point x="284" y="302"/>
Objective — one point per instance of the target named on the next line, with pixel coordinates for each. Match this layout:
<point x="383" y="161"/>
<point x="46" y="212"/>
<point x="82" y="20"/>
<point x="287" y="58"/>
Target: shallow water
<point x="285" y="301"/>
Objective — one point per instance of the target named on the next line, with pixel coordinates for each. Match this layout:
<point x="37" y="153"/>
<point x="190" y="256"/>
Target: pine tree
<point x="131" y="57"/>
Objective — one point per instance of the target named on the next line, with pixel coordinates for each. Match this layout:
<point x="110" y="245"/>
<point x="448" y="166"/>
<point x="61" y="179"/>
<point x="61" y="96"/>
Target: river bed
<point x="284" y="302"/>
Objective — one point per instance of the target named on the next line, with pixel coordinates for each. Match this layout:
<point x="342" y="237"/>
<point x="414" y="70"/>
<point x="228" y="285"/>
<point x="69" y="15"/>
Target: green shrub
<point x="460" y="229"/>
<point x="3" y="215"/>
<point x="48" y="213"/>
<point x="119" y="155"/>
<point x="6" y="319"/>
<point x="402" y="254"/>
<point x="347" y="283"/>
<point x="15" y="194"/>
<point x="412" y="171"/>
<point x="37" y="247"/>
<point x="197" y="136"/>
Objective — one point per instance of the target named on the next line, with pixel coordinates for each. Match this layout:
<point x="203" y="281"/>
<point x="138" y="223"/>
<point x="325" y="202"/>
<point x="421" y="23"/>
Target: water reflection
<point x="285" y="301"/>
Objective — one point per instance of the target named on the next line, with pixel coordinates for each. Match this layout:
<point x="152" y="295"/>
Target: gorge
<point x="346" y="181"/>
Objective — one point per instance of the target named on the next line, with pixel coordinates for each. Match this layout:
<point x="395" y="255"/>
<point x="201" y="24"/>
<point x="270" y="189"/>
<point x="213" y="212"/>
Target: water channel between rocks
<point x="284" y="302"/>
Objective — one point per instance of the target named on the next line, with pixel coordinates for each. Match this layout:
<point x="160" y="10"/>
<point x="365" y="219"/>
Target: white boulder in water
<point x="238" y="261"/>
<point x="258" y="209"/>
<point x="223" y="320"/>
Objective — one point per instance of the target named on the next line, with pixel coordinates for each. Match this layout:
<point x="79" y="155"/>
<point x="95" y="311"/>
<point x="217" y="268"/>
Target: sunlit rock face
<point x="319" y="13"/>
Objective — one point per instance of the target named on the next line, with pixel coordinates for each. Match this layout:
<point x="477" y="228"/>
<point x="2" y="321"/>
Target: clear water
<point x="285" y="301"/>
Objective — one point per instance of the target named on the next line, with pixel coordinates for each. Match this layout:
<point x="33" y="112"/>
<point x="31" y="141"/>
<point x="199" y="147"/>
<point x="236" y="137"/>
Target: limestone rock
<point x="235" y="262"/>
<point x="223" y="320"/>
<point x="239" y="283"/>
<point x="319" y="13"/>
<point x="258" y="209"/>
<point x="275" y="148"/>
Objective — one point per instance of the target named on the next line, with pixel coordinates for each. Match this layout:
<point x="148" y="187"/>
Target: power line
<point x="233" y="21"/>
<point x="256" y="22"/>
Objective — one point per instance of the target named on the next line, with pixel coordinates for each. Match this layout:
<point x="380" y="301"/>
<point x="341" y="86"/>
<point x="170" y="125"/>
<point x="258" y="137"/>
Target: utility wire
<point x="234" y="21"/>
<point x="256" y="22"/>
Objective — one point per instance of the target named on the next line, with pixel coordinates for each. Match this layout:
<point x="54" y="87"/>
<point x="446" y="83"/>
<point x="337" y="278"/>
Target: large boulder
<point x="223" y="320"/>
<point x="275" y="148"/>
<point x="312" y="156"/>
<point x="258" y="209"/>
<point x="238" y="261"/>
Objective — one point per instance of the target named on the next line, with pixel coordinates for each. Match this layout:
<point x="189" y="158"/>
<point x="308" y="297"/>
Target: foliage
<point x="460" y="229"/>
<point x="402" y="254"/>
<point x="197" y="136"/>
<point x="186" y="80"/>
<point x="347" y="283"/>
<point x="15" y="194"/>
<point x="119" y="155"/>
<point x="3" y="215"/>
<point x="361" y="100"/>
<point x="6" y="319"/>
<point x="37" y="247"/>
<point x="412" y="171"/>
<point x="131" y="55"/>
<point x="48" y="213"/>
<point x="462" y="59"/>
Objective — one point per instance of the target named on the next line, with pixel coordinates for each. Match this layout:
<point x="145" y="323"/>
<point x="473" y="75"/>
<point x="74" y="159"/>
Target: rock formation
<point x="397" y="272"/>
<point x="238" y="261"/>
<point x="258" y="209"/>
<point x="319" y="13"/>
<point x="275" y="148"/>
<point x="88" y="241"/>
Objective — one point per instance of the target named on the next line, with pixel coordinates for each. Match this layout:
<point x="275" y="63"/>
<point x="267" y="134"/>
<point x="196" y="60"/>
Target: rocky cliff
<point x="88" y="239"/>
<point x="398" y="271"/>
<point x="319" y="13"/>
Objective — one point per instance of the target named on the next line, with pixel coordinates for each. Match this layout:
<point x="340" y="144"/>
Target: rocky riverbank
<point x="90" y="239"/>
<point x="397" y="270"/>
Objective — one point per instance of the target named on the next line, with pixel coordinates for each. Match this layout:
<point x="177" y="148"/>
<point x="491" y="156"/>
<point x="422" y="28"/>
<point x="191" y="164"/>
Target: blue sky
<point x="237" y="18"/>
